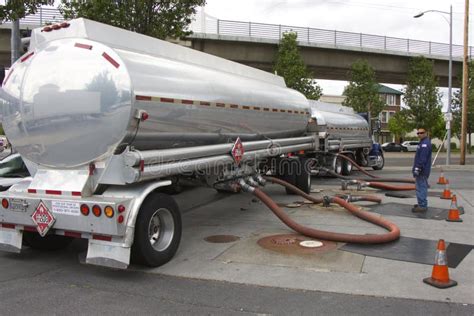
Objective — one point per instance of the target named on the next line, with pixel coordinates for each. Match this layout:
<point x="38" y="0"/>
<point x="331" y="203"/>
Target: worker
<point x="421" y="170"/>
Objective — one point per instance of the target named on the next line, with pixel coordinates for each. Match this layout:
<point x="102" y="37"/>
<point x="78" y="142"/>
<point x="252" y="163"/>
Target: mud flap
<point x="11" y="240"/>
<point x="108" y="254"/>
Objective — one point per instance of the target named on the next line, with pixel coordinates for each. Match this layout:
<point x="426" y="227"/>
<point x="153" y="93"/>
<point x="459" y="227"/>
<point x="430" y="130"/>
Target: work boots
<point x="419" y="209"/>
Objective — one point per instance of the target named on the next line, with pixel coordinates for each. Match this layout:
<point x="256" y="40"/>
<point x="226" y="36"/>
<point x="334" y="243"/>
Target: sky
<point x="392" y="18"/>
<point x="386" y="18"/>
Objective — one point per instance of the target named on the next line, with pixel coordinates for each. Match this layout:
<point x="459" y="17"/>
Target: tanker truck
<point x="111" y="119"/>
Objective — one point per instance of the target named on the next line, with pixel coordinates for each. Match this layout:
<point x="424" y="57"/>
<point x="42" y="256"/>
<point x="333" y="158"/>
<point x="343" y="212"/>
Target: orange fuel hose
<point x="393" y="234"/>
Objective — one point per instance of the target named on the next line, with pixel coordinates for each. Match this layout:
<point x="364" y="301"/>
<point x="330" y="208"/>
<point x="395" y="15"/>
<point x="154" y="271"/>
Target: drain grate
<point x="296" y="244"/>
<point x="221" y="239"/>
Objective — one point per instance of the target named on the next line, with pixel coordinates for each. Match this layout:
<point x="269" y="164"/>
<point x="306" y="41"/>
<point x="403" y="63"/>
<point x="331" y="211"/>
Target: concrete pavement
<point x="245" y="262"/>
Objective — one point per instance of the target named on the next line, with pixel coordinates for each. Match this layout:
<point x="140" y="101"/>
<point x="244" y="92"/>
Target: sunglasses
<point x="420" y="133"/>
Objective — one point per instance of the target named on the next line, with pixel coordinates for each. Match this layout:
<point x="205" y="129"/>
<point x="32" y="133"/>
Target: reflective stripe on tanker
<point x="216" y="105"/>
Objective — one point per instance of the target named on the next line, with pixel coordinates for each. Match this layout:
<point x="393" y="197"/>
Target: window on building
<point x="383" y="117"/>
<point x="391" y="98"/>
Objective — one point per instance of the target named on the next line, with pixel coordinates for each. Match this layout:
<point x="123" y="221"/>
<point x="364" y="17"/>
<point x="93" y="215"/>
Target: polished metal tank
<point x="339" y="122"/>
<point x="75" y="97"/>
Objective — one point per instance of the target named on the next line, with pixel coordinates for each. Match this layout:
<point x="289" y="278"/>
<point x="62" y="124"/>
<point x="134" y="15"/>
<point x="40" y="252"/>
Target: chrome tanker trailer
<point x="341" y="131"/>
<point x="110" y="118"/>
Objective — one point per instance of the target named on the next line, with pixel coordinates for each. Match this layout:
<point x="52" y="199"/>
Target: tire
<point x="48" y="242"/>
<point x="380" y="164"/>
<point x="346" y="167"/>
<point x="157" y="231"/>
<point x="295" y="172"/>
<point x="303" y="176"/>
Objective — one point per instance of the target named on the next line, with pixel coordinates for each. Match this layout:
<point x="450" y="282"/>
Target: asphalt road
<point x="403" y="159"/>
<point x="66" y="287"/>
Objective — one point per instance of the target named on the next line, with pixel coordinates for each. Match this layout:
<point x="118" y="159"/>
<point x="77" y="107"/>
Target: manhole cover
<point x="221" y="239"/>
<point x="295" y="244"/>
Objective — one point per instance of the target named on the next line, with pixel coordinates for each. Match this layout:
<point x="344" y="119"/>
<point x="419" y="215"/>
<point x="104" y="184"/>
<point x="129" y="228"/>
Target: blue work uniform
<point x="421" y="171"/>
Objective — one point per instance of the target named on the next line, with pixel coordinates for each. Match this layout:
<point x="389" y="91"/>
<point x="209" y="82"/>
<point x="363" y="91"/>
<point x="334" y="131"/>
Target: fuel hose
<point x="332" y="173"/>
<point x="393" y="230"/>
<point x="383" y="186"/>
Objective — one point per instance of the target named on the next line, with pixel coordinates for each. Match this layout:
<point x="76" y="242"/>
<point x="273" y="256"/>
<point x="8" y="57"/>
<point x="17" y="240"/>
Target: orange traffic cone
<point x="453" y="215"/>
<point x="440" y="275"/>
<point x="446" y="195"/>
<point x="442" y="179"/>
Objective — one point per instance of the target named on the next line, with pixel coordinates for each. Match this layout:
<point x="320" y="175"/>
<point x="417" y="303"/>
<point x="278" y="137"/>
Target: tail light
<point x="121" y="208"/>
<point x="96" y="210"/>
<point x="109" y="211"/>
<point x="120" y="219"/>
<point x="85" y="209"/>
<point x="5" y="203"/>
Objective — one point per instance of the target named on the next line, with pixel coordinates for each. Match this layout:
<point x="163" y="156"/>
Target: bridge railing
<point x="306" y="35"/>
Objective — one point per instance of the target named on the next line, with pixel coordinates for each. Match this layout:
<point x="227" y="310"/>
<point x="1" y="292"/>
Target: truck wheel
<point x="303" y="176"/>
<point x="295" y="172"/>
<point x="337" y="164"/>
<point x="157" y="231"/>
<point x="380" y="162"/>
<point x="346" y="167"/>
<point x="48" y="242"/>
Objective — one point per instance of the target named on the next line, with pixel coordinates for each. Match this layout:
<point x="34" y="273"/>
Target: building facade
<point x="392" y="99"/>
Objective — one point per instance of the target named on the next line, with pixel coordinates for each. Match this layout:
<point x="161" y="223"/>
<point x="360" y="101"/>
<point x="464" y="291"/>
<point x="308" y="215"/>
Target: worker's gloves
<point x="416" y="172"/>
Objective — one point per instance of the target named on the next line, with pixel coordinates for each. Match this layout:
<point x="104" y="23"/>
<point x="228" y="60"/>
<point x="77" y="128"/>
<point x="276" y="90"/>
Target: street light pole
<point x="450" y="75"/>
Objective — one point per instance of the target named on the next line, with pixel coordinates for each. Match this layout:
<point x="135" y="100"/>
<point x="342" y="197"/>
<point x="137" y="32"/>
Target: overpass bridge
<point x="329" y="54"/>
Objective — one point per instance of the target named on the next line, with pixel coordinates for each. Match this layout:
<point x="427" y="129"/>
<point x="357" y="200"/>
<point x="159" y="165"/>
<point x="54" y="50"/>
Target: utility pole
<point x="15" y="41"/>
<point x="465" y="86"/>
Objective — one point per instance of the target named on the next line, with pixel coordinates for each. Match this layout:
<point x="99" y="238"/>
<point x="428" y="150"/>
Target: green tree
<point x="291" y="67"/>
<point x="399" y="124"/>
<point x="422" y="96"/>
<point x="17" y="9"/>
<point x="457" y="107"/>
<point x="157" y="18"/>
<point x="362" y="93"/>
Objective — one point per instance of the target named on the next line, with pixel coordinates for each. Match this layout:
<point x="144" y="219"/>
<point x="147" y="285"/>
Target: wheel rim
<point x="349" y="167"/>
<point x="338" y="166"/>
<point x="379" y="161"/>
<point x="161" y="229"/>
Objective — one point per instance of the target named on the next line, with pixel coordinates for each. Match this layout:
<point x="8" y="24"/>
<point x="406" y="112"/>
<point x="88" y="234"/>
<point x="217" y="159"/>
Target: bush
<point x="433" y="147"/>
<point x="453" y="146"/>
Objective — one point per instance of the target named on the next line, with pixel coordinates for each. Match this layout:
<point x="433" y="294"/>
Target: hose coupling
<point x="361" y="185"/>
<point x="252" y="182"/>
<point x="326" y="201"/>
<point x="345" y="184"/>
<point x="245" y="186"/>
<point x="260" y="180"/>
<point x="346" y="197"/>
